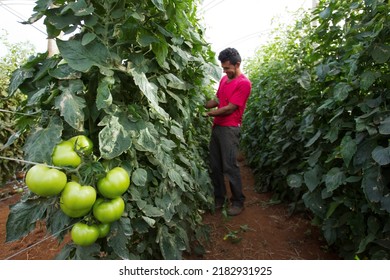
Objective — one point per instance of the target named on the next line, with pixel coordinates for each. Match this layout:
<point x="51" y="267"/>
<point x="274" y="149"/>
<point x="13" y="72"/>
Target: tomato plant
<point x="115" y="183"/>
<point x="133" y="78"/>
<point x="320" y="115"/>
<point x="45" y="181"/>
<point x="83" y="234"/>
<point x="77" y="200"/>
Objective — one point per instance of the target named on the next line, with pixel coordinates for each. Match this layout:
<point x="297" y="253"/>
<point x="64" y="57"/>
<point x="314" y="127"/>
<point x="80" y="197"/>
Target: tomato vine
<point x="132" y="76"/>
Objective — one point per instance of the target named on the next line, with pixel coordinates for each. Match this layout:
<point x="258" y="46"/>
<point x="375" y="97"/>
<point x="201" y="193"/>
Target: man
<point x="232" y="95"/>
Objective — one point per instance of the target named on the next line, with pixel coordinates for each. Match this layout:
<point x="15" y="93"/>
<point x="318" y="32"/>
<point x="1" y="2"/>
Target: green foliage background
<point x="133" y="77"/>
<point x="17" y="54"/>
<point x="319" y="122"/>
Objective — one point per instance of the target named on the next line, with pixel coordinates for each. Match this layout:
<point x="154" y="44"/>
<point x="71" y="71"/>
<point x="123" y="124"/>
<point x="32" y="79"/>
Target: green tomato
<point x="45" y="181"/>
<point x="104" y="230"/>
<point x="83" y="234"/>
<point x="108" y="211"/>
<point x="82" y="143"/>
<point x="73" y="213"/>
<point x="65" y="155"/>
<point x="77" y="200"/>
<point x="116" y="182"/>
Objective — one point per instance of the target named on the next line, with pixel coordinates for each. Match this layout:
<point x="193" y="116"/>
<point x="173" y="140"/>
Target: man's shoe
<point x="218" y="205"/>
<point x="235" y="210"/>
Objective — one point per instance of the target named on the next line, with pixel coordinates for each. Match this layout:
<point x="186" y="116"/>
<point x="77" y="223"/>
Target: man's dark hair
<point x="229" y="54"/>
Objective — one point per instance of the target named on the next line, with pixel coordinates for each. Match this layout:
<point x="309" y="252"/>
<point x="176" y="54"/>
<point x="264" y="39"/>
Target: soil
<point x="263" y="231"/>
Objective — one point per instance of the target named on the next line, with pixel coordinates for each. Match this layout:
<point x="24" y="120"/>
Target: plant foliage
<point x="319" y="121"/>
<point x="15" y="56"/>
<point x="132" y="76"/>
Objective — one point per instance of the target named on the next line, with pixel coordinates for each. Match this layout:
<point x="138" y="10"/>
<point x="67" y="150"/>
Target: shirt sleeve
<point x="241" y="93"/>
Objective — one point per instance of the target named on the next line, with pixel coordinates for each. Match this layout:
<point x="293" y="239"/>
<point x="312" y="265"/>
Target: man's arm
<point x="211" y="104"/>
<point x="223" y="111"/>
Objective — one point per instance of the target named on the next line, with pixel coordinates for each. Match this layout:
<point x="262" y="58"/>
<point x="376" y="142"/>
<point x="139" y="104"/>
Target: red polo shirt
<point x="237" y="92"/>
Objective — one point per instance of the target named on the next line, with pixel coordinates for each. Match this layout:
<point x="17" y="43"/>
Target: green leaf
<point x="372" y="184"/>
<point x="160" y="49"/>
<point x="23" y="217"/>
<point x="315" y="203"/>
<point x="381" y="53"/>
<point x="119" y="237"/>
<point x="114" y="138"/>
<point x="334" y="178"/>
<point x="368" y="78"/>
<point x="348" y="149"/>
<point x="104" y="97"/>
<point x="168" y="245"/>
<point x="71" y="106"/>
<point x="139" y="177"/>
<point x="64" y="72"/>
<point x="384" y="127"/>
<point x="149" y="90"/>
<point x="80" y="8"/>
<point x="175" y="177"/>
<point x="305" y="80"/>
<point x="146" y="141"/>
<point x="159" y="4"/>
<point x="312" y="178"/>
<point x="18" y="77"/>
<point x="152" y="211"/>
<point x="82" y="58"/>
<point x="341" y="91"/>
<point x="381" y="155"/>
<point x="40" y="144"/>
<point x="313" y="139"/>
<point x="88" y="38"/>
<point x="294" y="180"/>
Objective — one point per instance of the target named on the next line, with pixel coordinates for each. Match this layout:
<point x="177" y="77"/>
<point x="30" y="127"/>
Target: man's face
<point x="229" y="69"/>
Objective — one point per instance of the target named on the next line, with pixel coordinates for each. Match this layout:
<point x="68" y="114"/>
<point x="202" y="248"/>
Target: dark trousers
<point x="224" y="145"/>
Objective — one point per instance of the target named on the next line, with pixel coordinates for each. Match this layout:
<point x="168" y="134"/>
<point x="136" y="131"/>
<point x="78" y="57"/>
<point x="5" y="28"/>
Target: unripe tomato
<point x="108" y="211"/>
<point x="82" y="143"/>
<point x="83" y="234"/>
<point x="104" y="230"/>
<point x="65" y="155"/>
<point x="77" y="200"/>
<point x="116" y="182"/>
<point x="45" y="181"/>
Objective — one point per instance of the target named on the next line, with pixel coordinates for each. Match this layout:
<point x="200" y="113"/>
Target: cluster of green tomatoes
<point x="77" y="200"/>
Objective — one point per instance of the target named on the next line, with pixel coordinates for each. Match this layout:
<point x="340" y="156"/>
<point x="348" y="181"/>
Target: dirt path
<point x="262" y="232"/>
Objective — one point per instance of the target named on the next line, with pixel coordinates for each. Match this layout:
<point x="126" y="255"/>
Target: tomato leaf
<point x="23" y="216"/>
<point x="71" y="106"/>
<point x="139" y="177"/>
<point x="119" y="237"/>
<point x="40" y="144"/>
<point x="82" y="58"/>
<point x="169" y="247"/>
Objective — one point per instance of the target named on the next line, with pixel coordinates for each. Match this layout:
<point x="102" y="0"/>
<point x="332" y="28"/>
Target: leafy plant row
<point x="319" y="121"/>
<point x="15" y="56"/>
<point x="132" y="76"/>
